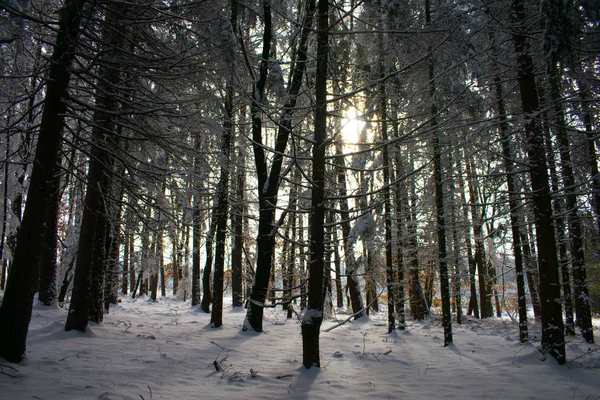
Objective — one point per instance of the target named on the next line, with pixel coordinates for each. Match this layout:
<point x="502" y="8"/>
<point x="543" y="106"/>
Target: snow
<point x="167" y="350"/>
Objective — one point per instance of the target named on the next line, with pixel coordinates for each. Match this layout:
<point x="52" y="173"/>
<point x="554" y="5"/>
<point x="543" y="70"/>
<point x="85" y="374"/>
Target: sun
<point x="352" y="125"/>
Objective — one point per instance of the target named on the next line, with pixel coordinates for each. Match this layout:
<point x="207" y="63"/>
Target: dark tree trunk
<point x="337" y="262"/>
<point x="561" y="237"/>
<point x="484" y="292"/>
<point x="237" y="222"/>
<point x="389" y="265"/>
<point x="216" y="318"/>
<point x="531" y="270"/>
<point x="592" y="157"/>
<point x="439" y="203"/>
<point x="419" y="305"/>
<point x="268" y="182"/>
<point x="514" y="205"/>
<point x="401" y="215"/>
<point x="441" y="236"/>
<point x="87" y="300"/>
<point x="351" y="279"/>
<point x="154" y="267"/>
<point x="161" y="263"/>
<point x="17" y="303"/>
<point x="132" y="280"/>
<point x="313" y="317"/>
<point x="48" y="266"/>
<point x="176" y="259"/>
<point x="125" y="275"/>
<point x="473" y="308"/>
<point x="4" y="213"/>
<point x="553" y="341"/>
<point x="210" y="237"/>
<point x="196" y="253"/>
<point x="456" y="273"/>
<point x="580" y="284"/>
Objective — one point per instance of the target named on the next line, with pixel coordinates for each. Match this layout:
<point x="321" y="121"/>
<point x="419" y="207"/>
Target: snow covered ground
<point x="166" y="350"/>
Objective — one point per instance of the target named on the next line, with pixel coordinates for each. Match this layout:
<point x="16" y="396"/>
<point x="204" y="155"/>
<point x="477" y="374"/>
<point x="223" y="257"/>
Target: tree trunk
<point x="514" y="205"/>
<point x="389" y="265"/>
<point x="473" y="308"/>
<point x="419" y="304"/>
<point x="210" y="237"/>
<point x="196" y="252"/>
<point x="580" y="284"/>
<point x="216" y="318"/>
<point x="350" y="264"/>
<point x="313" y="317"/>
<point x="553" y="341"/>
<point x="268" y="182"/>
<point x="88" y="291"/>
<point x="439" y="201"/>
<point x="17" y="303"/>
<point x="126" y="238"/>
<point x="237" y="223"/>
<point x="561" y="237"/>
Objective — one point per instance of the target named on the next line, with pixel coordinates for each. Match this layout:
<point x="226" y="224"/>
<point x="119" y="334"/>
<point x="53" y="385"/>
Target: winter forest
<point x="327" y="162"/>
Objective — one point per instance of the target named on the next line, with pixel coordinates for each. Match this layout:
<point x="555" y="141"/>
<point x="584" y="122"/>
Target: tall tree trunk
<point x="480" y="258"/>
<point x="88" y="290"/>
<point x="337" y="262"/>
<point x="439" y="201"/>
<point x="17" y="303"/>
<point x="389" y="265"/>
<point x="237" y="225"/>
<point x="350" y="264"/>
<point x="216" y="318"/>
<point x="313" y="317"/>
<point x="196" y="251"/>
<point x="154" y="266"/>
<point x="514" y="205"/>
<point x="126" y="256"/>
<point x="48" y="266"/>
<point x="592" y="157"/>
<point x="418" y="301"/>
<point x="401" y="215"/>
<point x="561" y="236"/>
<point x="268" y="181"/>
<point x="208" y="265"/>
<point x="473" y="308"/>
<point x="580" y="284"/>
<point x="553" y="341"/>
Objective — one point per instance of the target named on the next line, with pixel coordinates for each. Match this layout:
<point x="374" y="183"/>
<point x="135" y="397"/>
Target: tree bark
<point x="313" y="317"/>
<point x="88" y="290"/>
<point x="553" y="341"/>
<point x="268" y="181"/>
<point x="439" y="203"/>
<point x="17" y="303"/>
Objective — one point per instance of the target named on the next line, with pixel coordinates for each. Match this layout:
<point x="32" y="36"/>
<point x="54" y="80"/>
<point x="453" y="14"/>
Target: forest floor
<point x="167" y="350"/>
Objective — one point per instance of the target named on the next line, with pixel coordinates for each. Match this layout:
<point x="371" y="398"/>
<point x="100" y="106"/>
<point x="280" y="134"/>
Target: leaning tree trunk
<point x="268" y="182"/>
<point x="17" y="303"/>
